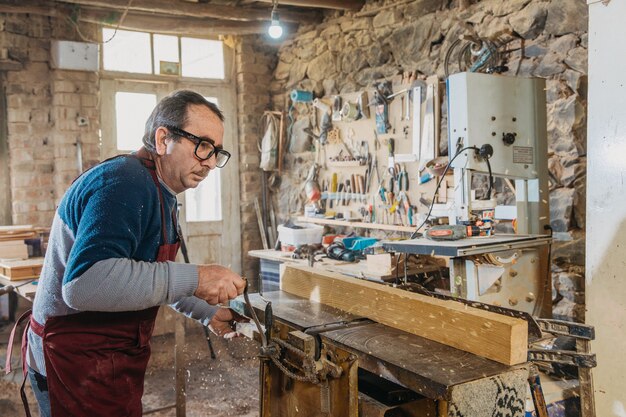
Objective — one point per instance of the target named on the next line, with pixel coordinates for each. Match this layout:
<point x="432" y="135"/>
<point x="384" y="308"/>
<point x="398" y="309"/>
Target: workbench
<point x="272" y="258"/>
<point x="453" y="382"/>
<point x="25" y="288"/>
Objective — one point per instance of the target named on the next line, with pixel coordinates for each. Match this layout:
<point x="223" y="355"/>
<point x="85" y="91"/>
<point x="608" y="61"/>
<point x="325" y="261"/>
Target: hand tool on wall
<point x="362" y="187"/>
<point x="336" y="115"/>
<point x="391" y="146"/>
<point x="429" y="143"/>
<point x="403" y="178"/>
<point x="425" y="177"/>
<point x="333" y="189"/>
<point x="363" y="106"/>
<point x="393" y="177"/>
<point x="348" y="192"/>
<point x="382" y="95"/>
<point x="353" y="184"/>
<point x="311" y="187"/>
<point x="340" y="196"/>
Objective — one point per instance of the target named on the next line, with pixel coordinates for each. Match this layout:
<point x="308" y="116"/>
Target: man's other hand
<point x="218" y="284"/>
<point x="223" y="323"/>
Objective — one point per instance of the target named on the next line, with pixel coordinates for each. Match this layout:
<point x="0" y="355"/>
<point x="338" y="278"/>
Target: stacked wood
<point x="15" y="270"/>
<point x="12" y="245"/>
<point x="490" y="335"/>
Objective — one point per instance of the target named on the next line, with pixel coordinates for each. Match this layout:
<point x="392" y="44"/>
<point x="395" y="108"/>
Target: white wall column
<point x="606" y="203"/>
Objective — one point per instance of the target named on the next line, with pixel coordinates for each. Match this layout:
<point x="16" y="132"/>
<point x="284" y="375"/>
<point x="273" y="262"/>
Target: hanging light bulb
<point x="275" y="30"/>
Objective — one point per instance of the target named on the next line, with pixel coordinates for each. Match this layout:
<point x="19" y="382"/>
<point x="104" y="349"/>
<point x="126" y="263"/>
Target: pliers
<point x="403" y="179"/>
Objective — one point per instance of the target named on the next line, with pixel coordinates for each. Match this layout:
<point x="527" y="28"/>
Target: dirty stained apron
<point x="96" y="361"/>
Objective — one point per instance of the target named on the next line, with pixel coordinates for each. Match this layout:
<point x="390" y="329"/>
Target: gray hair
<point x="172" y="110"/>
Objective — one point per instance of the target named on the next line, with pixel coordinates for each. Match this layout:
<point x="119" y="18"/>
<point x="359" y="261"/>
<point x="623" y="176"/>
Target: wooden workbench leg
<point x="179" y="365"/>
<point x="265" y="385"/>
<point x="585" y="382"/>
<point x="442" y="408"/>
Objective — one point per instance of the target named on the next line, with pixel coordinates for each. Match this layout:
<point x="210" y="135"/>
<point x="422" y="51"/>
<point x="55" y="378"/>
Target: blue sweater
<point x="102" y="251"/>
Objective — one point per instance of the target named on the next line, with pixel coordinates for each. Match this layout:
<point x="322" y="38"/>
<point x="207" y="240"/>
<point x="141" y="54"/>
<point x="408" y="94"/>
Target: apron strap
<point x="7" y="367"/>
<point x="24" y="398"/>
<point x="146" y="160"/>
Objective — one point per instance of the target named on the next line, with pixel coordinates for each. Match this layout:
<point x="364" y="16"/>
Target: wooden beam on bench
<point x="490" y="335"/>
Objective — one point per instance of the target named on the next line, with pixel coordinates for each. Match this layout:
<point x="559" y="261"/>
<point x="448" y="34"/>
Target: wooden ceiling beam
<point x="142" y="22"/>
<point x="323" y="4"/>
<point x="184" y="8"/>
<point x="172" y="25"/>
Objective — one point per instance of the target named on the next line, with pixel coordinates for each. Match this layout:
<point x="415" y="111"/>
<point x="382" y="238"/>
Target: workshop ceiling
<point x="198" y="17"/>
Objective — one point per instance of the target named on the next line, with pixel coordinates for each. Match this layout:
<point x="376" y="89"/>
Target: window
<point x="204" y="203"/>
<point x="202" y="58"/>
<point x="127" y="51"/>
<point x="129" y="108"/>
<point x="149" y="53"/>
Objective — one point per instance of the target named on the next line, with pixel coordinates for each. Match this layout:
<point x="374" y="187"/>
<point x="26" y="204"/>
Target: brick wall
<point x="42" y="106"/>
<point x="43" y="135"/>
<point x="255" y="63"/>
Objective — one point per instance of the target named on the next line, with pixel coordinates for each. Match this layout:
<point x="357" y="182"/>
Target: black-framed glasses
<point x="205" y="147"/>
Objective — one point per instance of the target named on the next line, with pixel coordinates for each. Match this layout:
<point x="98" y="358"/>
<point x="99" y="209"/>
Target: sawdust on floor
<point x="223" y="387"/>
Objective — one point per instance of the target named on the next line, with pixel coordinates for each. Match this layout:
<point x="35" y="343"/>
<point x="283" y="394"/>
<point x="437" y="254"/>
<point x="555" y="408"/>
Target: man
<point x="109" y="265"/>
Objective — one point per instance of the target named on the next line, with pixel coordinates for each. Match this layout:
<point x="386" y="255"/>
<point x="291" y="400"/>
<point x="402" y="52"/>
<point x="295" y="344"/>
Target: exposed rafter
<point x="139" y="21"/>
<point x="183" y="8"/>
<point x="171" y="25"/>
<point x="324" y="4"/>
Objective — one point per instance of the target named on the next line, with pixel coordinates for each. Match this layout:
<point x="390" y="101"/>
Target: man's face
<point x="177" y="165"/>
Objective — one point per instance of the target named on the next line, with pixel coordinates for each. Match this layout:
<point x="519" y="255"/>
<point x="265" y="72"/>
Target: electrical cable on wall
<point x="436" y="193"/>
<point x="74" y="22"/>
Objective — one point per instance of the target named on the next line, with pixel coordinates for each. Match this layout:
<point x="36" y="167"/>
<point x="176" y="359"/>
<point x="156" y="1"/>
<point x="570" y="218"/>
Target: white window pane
<point x="204" y="203"/>
<point x="202" y="58"/>
<point x="165" y="50"/>
<point x="131" y="112"/>
<point x="127" y="51"/>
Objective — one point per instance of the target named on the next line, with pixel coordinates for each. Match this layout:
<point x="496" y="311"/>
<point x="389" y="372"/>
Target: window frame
<point x="228" y="52"/>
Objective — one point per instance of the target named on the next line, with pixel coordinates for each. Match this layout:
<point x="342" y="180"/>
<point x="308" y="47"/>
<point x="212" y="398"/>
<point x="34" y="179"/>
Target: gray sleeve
<point x="196" y="308"/>
<point x="125" y="285"/>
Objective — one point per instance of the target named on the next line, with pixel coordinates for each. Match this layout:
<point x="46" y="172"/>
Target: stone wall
<point x="542" y="38"/>
<point x="42" y="107"/>
<point x="255" y="63"/>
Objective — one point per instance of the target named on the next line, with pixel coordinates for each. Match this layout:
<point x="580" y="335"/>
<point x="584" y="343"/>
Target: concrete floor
<point x="224" y="387"/>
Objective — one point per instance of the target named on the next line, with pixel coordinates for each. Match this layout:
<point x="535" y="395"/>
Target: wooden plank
<point x="202" y="10"/>
<point x="326" y="4"/>
<point x="360" y="225"/>
<point x="18" y="270"/>
<point x="490" y="335"/>
<point x="14" y="251"/>
<point x="18" y="232"/>
<point x="188" y="26"/>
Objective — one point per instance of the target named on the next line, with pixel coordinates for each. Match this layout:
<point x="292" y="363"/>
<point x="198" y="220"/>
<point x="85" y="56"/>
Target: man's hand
<point x="217" y="284"/>
<point x="222" y="323"/>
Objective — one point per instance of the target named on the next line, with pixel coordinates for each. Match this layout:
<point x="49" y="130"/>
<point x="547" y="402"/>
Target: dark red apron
<point x="96" y="361"/>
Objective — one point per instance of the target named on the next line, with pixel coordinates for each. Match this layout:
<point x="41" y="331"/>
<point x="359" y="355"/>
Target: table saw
<point x="356" y="367"/>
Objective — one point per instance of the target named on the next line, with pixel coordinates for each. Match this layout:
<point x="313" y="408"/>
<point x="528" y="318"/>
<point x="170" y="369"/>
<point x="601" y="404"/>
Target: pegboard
<point x="384" y="199"/>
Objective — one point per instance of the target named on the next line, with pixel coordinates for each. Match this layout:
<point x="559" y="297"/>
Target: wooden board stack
<point x="12" y="238"/>
<point x="490" y="335"/>
<point x="15" y="270"/>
